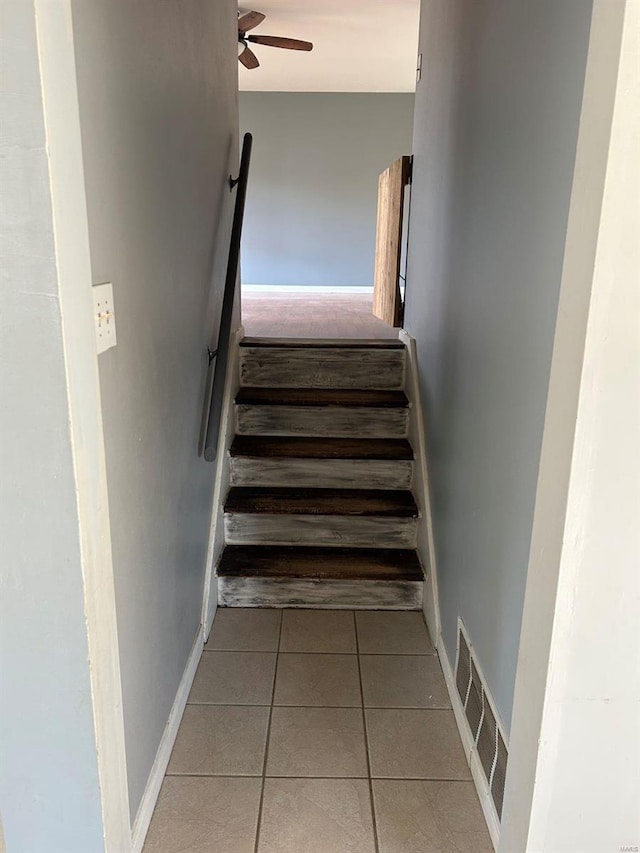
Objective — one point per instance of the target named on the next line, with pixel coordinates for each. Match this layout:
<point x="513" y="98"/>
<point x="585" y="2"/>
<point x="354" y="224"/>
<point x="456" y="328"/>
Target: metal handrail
<point x="221" y="354"/>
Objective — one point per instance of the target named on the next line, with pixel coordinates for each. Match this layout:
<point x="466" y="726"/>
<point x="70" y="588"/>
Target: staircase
<point x="320" y="511"/>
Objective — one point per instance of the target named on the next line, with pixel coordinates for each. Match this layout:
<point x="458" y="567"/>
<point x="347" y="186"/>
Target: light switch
<point x="104" y="316"/>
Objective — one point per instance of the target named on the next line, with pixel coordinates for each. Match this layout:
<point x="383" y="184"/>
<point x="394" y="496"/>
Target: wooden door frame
<point x="71" y="230"/>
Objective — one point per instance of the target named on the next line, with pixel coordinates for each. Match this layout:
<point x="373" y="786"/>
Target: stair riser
<point x="322" y="368"/>
<point x="293" y="592"/>
<point x="321" y="530"/>
<point x="322" y="421"/>
<point x="322" y="473"/>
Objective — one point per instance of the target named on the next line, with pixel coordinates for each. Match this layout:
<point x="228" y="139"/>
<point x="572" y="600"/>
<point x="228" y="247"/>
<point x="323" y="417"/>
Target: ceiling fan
<point x="246" y="56"/>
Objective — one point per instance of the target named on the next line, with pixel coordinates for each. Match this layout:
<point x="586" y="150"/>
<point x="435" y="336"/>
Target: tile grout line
<point x="247" y="650"/>
<point x="349" y="654"/>
<point x="337" y="778"/>
<point x="298" y="705"/>
<point x="366" y="741"/>
<point x="266" y="746"/>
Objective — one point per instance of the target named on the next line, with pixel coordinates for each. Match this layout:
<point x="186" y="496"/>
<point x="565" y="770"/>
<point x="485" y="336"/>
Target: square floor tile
<point x="220" y="740"/>
<point x="309" y="679"/>
<point x="203" y="814"/>
<point x="396" y="633"/>
<point x="429" y="817"/>
<point x="316" y="816"/>
<point x="245" y="630"/>
<point x="411" y="744"/>
<point x="403" y="681"/>
<point x="234" y="678"/>
<point x="318" y="631"/>
<point x="317" y="742"/>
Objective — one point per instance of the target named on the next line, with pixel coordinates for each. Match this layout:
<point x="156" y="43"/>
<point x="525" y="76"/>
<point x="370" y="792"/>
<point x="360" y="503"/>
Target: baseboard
<point x="150" y="796"/>
<point x="312" y="288"/>
<point x="420" y="487"/>
<point x="477" y="774"/>
<point x="221" y="484"/>
<point x="426" y="550"/>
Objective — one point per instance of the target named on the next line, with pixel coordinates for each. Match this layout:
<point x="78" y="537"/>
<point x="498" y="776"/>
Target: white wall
<point x="313" y="189"/>
<point x="62" y="783"/>
<point x="495" y="132"/>
<point x="573" y="781"/>
<point x="158" y="109"/>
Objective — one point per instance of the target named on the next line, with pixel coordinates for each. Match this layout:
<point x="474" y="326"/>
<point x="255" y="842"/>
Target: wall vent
<point x="482" y="719"/>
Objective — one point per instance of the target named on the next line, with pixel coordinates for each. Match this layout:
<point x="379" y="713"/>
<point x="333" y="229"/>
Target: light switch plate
<point x="104" y="316"/>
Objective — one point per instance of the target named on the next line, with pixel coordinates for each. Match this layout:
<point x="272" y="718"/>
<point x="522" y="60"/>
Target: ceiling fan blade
<point x="248" y="58"/>
<point x="250" y="20"/>
<point x="280" y="41"/>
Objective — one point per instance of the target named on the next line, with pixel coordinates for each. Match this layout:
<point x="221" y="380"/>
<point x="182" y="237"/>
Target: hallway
<point x="311" y="731"/>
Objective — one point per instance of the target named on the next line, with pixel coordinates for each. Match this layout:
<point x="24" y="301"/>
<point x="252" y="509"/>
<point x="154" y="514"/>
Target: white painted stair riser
<point x="321" y="530"/>
<point x="334" y="594"/>
<point x="322" y="473"/>
<point x="288" y="367"/>
<point x="334" y="421"/>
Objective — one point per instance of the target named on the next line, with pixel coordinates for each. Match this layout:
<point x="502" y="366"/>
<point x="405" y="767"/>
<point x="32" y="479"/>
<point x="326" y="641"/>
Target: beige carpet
<point x="316" y="315"/>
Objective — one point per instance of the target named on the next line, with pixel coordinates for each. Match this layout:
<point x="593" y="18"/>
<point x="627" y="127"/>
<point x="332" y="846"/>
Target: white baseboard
<point x="221" y="484"/>
<point x="312" y="288"/>
<point x="426" y="550"/>
<point x="420" y="487"/>
<point x="471" y="754"/>
<point x="150" y="796"/>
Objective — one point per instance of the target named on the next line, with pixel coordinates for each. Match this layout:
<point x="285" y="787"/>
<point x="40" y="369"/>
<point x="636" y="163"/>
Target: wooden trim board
<point x="322" y="343"/>
<point x="154" y="782"/>
<point x="297" y="289"/>
<point x="221" y="485"/>
<point x="354" y="503"/>
<point x="305" y="447"/>
<point x="320" y="398"/>
<point x="420" y="488"/>
<point x="319" y="563"/>
<point x="387" y="302"/>
<point x="65" y="178"/>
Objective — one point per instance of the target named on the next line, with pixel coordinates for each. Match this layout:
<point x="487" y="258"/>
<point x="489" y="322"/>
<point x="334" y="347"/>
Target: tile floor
<point x="313" y="731"/>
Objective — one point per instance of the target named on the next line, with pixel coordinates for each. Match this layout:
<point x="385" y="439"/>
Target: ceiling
<point x="358" y="46"/>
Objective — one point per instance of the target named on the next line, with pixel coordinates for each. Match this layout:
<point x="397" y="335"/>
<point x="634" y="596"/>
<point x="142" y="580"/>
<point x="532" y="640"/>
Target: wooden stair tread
<point x="303" y="447"/>
<point x="384" y="564"/>
<point x="323" y="343"/>
<point x="292" y="501"/>
<point x="347" y="397"/>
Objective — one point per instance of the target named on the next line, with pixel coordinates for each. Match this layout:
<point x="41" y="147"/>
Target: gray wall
<point x="158" y="109"/>
<point x="49" y="786"/>
<point x="311" y="206"/>
<point x="494" y="143"/>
